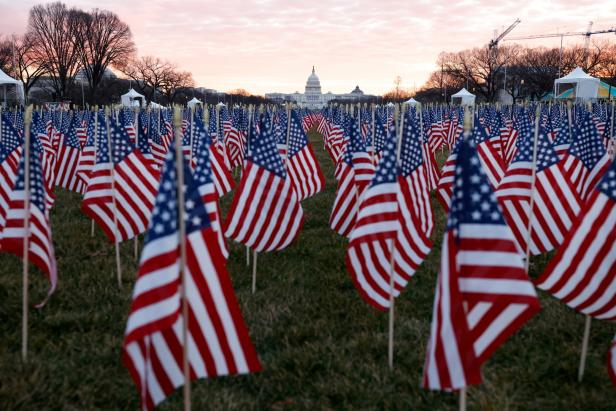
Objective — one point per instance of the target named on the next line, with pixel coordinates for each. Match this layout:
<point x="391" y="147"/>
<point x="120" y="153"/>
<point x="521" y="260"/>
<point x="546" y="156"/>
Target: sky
<point x="271" y="45"/>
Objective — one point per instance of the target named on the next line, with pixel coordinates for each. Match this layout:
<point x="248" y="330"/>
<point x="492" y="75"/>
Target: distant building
<point x="313" y="98"/>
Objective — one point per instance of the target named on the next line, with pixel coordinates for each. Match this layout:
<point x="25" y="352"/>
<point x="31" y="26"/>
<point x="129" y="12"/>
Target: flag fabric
<point x="67" y="159"/>
<point x="10" y="156"/>
<point x="555" y="200"/>
<point x="266" y="214"/>
<point x="488" y="149"/>
<point x="87" y="159"/>
<point x="134" y="180"/>
<point x="445" y="183"/>
<point x="207" y="189"/>
<point x="583" y="272"/>
<point x="219" y="343"/>
<point x="483" y="294"/>
<point x="301" y="163"/>
<point x="385" y="226"/>
<point x="587" y="160"/>
<point x="413" y="169"/>
<point x="40" y="246"/>
<point x="223" y="180"/>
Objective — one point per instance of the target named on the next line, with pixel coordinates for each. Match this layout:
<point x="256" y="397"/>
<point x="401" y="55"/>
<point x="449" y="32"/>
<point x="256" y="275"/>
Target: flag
<point x="67" y="159"/>
<point x="133" y="178"/>
<point x="384" y="226"/>
<point x="445" y="183"/>
<point x="583" y="272"/>
<point x="207" y="189"/>
<point x="223" y="180"/>
<point x="219" y="343"/>
<point x="301" y="164"/>
<point x="10" y="156"/>
<point x="266" y="214"/>
<point x="483" y="294"/>
<point x="488" y="149"/>
<point x="555" y="200"/>
<point x="587" y="159"/>
<point x="40" y="245"/>
<point x="415" y="183"/>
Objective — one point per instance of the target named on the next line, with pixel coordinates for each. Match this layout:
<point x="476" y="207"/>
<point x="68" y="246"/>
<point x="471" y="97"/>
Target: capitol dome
<point x="313" y="84"/>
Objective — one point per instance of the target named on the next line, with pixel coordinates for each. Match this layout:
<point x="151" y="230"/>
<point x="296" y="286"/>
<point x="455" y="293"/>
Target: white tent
<point x="6" y="82"/>
<point x="194" y="102"/>
<point x="133" y="99"/>
<point x="154" y="105"/>
<point x="411" y="102"/>
<point x="463" y="98"/>
<point x="576" y="84"/>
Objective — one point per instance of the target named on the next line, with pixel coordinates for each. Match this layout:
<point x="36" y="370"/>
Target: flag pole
<point x="462" y="398"/>
<point x="95" y="150"/>
<point x="392" y="271"/>
<point x="113" y="201"/>
<point x="532" y="189"/>
<point x="24" y="322"/>
<point x="254" y="271"/>
<point x="247" y="148"/>
<point x="136" y="125"/>
<point x="584" y="348"/>
<point x="179" y="164"/>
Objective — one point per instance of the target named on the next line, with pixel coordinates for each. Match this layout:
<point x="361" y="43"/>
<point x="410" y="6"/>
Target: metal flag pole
<point x="113" y="201"/>
<point x="136" y="125"/>
<point x="95" y="152"/>
<point x="179" y="163"/>
<point x="26" y="240"/>
<point x="533" y="178"/>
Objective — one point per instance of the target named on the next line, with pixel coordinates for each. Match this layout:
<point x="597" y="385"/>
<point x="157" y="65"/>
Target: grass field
<point x="320" y="345"/>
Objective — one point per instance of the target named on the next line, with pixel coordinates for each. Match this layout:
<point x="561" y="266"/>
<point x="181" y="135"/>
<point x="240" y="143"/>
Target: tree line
<point x="523" y="72"/>
<point x="65" y="48"/>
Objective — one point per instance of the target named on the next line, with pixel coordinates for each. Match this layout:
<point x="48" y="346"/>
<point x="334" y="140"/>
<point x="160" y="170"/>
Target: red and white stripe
<point x="218" y="340"/>
<point x="66" y="169"/>
<point x="583" y="272"/>
<point x="266" y="214"/>
<point x="346" y="203"/>
<point x="483" y="296"/>
<point x="136" y="184"/>
<point x="305" y="173"/>
<point x="583" y="179"/>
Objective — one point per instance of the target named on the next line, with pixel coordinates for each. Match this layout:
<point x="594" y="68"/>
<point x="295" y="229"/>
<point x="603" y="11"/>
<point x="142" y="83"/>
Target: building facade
<point x="313" y="97"/>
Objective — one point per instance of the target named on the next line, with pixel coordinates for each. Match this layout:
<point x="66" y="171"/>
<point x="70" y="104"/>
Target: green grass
<point x="321" y="346"/>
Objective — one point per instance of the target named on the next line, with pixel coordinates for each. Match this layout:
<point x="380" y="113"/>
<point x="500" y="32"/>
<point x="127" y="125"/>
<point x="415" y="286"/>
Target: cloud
<point x="271" y="45"/>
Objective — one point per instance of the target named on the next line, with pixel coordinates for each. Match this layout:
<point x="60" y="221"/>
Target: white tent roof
<point x="132" y="94"/>
<point x="412" y="101"/>
<point x="195" y="100"/>
<point x="462" y="93"/>
<point x="19" y="86"/>
<point x="577" y="75"/>
<point x="155" y="105"/>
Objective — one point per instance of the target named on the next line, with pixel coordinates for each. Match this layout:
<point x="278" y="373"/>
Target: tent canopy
<point x="132" y="99"/>
<point x="6" y="81"/>
<point x="577" y="84"/>
<point x="194" y="102"/>
<point x="412" y="102"/>
<point x="463" y="97"/>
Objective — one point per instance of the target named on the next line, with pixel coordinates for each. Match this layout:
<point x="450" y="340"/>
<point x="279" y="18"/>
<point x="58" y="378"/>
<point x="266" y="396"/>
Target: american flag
<point x="127" y="119"/>
<point x="384" y="225"/>
<point x="10" y="157"/>
<point x="362" y="162"/>
<point x="301" y="164"/>
<point x="235" y="142"/>
<point x="37" y="134"/>
<point x="158" y="137"/>
<point x="223" y="180"/>
<point x="563" y="140"/>
<point x="87" y="159"/>
<point x="40" y="245"/>
<point x="483" y="294"/>
<point x="205" y="182"/>
<point x="414" y="184"/>
<point x="555" y="203"/>
<point x="489" y="154"/>
<point x="587" y="160"/>
<point x="583" y="272"/>
<point x="67" y="159"/>
<point x="445" y="183"/>
<point x="127" y="209"/>
<point x="219" y="343"/>
<point x="266" y="214"/>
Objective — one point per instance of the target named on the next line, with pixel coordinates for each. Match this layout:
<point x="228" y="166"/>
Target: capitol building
<point x="313" y="98"/>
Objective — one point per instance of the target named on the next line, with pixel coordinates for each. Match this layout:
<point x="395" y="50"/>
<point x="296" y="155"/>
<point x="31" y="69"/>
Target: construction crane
<point x="494" y="42"/>
<point x="587" y="34"/>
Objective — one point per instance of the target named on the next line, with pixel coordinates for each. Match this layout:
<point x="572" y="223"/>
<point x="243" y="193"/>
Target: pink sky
<point x="271" y="45"/>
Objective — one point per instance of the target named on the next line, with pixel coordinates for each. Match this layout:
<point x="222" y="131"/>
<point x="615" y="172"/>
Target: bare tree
<point x="52" y="29"/>
<point x="6" y="54"/>
<point x="174" y="81"/>
<point x="27" y="67"/>
<point x="102" y="40"/>
<point x="149" y="74"/>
